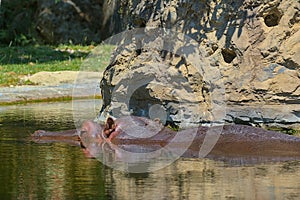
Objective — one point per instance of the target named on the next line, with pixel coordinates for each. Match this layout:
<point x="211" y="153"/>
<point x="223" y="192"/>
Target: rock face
<point x="76" y="21"/>
<point x="242" y="64"/>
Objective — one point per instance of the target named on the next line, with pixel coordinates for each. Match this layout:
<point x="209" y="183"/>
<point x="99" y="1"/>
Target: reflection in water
<point x="61" y="171"/>
<point x="206" y="179"/>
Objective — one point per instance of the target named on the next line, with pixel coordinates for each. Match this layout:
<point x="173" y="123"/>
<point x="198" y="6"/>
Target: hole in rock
<point x="141" y="100"/>
<point x="273" y="18"/>
<point x="140" y="23"/>
<point x="228" y="55"/>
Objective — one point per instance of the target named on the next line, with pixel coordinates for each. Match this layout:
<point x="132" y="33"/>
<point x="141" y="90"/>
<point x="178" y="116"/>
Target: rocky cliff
<point x="187" y="61"/>
<point x="246" y="69"/>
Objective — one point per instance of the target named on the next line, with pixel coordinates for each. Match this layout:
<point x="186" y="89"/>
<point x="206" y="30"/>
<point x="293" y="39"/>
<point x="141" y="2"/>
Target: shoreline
<point x="54" y="86"/>
<point x="35" y="94"/>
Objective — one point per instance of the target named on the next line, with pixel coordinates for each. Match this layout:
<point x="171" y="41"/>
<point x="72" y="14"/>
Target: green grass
<point x="54" y="99"/>
<point x="17" y="62"/>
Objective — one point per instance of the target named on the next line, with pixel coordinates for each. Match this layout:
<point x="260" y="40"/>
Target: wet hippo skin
<point x="67" y="136"/>
<point x="232" y="141"/>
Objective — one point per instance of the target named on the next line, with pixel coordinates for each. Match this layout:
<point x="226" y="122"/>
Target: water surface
<point x="30" y="170"/>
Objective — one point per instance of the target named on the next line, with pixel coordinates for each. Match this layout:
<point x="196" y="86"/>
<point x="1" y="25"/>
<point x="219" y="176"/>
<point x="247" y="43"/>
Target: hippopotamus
<point x="143" y="135"/>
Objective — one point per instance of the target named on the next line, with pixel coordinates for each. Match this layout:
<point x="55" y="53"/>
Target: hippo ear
<point x="109" y="123"/>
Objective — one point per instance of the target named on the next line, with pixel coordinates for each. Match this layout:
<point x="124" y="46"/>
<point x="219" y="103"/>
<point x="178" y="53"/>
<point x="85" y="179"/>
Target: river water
<point x="30" y="170"/>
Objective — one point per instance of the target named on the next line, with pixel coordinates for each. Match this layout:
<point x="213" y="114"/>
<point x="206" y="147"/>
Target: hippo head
<point x="90" y="132"/>
<point x="94" y="132"/>
<point x="123" y="128"/>
<point x="111" y="141"/>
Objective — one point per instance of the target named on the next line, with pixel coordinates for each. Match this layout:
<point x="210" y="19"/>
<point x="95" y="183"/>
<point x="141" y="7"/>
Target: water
<point x="30" y="170"/>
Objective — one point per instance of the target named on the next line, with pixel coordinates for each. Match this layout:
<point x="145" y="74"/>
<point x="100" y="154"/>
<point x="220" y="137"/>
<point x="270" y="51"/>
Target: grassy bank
<point x="18" y="62"/>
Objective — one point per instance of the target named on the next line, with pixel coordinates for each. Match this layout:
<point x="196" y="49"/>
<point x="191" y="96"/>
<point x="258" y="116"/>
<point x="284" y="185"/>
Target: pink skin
<point x="131" y="124"/>
<point x="91" y="130"/>
<point x="113" y="128"/>
<point x="114" y="134"/>
<point x="94" y="130"/>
